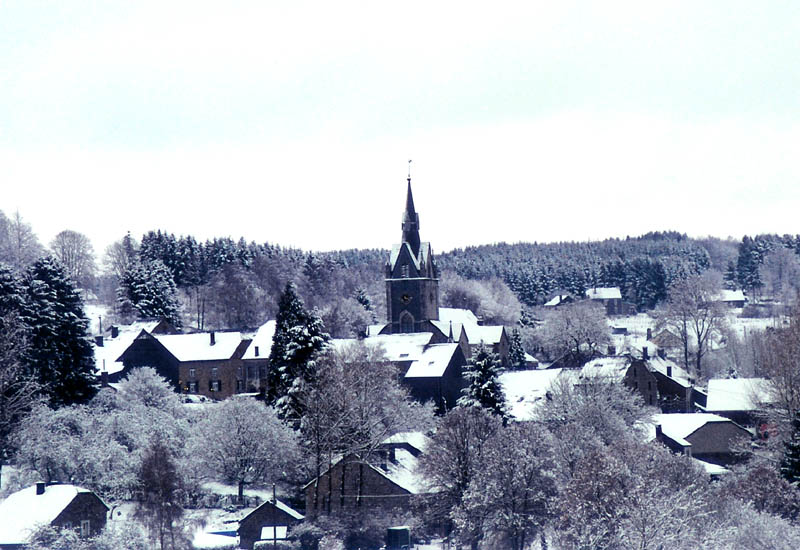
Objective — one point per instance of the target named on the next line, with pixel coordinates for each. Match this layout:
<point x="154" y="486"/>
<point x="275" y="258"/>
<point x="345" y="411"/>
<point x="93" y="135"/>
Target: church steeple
<point x="411" y="222"/>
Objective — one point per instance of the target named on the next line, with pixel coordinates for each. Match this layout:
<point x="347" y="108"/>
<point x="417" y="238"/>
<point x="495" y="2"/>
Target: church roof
<point x="433" y="362"/>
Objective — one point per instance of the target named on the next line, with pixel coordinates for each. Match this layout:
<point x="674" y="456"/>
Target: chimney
<point x="40" y="485"/>
<point x="612" y="350"/>
<point x="659" y="432"/>
<point x="669" y="371"/>
<point x="649" y="333"/>
<point x="256" y="351"/>
<point x="645" y="353"/>
<point x="98" y="341"/>
<point x="662" y="353"/>
<point x="213" y="337"/>
<point x="114" y="331"/>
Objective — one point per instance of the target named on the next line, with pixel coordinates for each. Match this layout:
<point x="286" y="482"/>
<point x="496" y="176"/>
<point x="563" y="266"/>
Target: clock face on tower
<point x="405" y="298"/>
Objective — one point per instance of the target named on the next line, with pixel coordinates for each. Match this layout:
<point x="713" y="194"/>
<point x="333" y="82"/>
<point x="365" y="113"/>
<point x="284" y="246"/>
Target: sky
<point x="293" y="122"/>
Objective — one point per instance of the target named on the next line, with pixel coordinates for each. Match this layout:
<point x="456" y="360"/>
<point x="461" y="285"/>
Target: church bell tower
<point x="412" y="279"/>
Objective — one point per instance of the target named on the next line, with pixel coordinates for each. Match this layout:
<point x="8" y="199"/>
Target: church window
<point x="404" y="271"/>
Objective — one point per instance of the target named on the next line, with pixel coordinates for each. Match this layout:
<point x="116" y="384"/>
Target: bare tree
<point x="21" y="246"/>
<point x="694" y="313"/>
<point x="575" y="330"/>
<point x="75" y="252"/>
<point x="120" y="256"/>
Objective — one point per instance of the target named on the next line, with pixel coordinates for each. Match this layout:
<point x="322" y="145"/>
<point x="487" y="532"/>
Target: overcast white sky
<point x="292" y="122"/>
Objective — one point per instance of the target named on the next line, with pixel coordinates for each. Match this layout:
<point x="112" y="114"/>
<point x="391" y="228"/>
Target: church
<point x="428" y="343"/>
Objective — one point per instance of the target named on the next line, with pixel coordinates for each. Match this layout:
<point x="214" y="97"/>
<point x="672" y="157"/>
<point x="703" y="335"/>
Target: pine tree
<point x="148" y="290"/>
<point x="483" y="390"/>
<point x="299" y="337"/>
<point x="790" y="466"/>
<point x="516" y="353"/>
<point x="60" y="354"/>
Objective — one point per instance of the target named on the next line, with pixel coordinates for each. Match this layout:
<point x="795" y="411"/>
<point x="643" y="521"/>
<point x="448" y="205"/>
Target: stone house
<point x="386" y="481"/>
<point x="270" y="521"/>
<point x="60" y="505"/>
<point x="203" y="363"/>
<point x="707" y="437"/>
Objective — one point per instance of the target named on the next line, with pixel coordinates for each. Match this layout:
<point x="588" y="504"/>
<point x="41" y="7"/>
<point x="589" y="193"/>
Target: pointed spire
<point x="411" y="220"/>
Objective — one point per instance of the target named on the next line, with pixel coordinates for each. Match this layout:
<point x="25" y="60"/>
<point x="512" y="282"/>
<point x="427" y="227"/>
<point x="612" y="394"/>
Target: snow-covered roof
<point x="556" y="300"/>
<point x="197" y="347"/>
<point x="432" y="362"/>
<point x="398" y="347"/>
<point x="456" y="315"/>
<point x="611" y="368"/>
<point x="604" y="293"/>
<point x="418" y="440"/>
<point x="282" y="506"/>
<point x="524" y="389"/>
<point x="262" y="340"/>
<point x="24" y="511"/>
<point x="678" y="374"/>
<point x="726" y="295"/>
<point x="464" y="319"/>
<point x="105" y="356"/>
<point x="479" y="334"/>
<point x="424" y="252"/>
<point x="402" y="471"/>
<point x="737" y="394"/>
<point x="679" y="426"/>
<point x="375" y="330"/>
<point x="712" y="469"/>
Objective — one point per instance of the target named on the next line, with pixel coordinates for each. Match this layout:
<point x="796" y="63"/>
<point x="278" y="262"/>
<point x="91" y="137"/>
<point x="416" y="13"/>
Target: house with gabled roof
<point x="707" y="437"/>
<point x="203" y="363"/>
<point x="271" y="521"/>
<point x="387" y="480"/>
<point x="49" y="504"/>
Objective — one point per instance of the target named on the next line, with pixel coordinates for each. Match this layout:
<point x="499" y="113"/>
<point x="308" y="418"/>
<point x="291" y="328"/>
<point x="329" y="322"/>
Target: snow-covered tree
<point x="516" y="351"/>
<point x="482" y="374"/>
<point x="454" y="456"/>
<point x="299" y="338"/>
<point x="510" y="498"/>
<point x="60" y="353"/>
<point x="242" y="441"/>
<point x="148" y="290"/>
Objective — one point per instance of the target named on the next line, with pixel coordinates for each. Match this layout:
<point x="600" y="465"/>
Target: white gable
<point x="197" y="347"/>
<point x="262" y="340"/>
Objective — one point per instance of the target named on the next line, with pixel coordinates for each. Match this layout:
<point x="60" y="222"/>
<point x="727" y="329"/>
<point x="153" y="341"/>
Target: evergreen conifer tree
<point x="484" y="390"/>
<point x="148" y="290"/>
<point x="60" y="354"/>
<point x="299" y="337"/>
<point x="516" y="353"/>
<point x="790" y="466"/>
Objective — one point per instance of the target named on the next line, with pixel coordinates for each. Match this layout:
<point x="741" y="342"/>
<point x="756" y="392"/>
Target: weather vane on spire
<point x="409" y="170"/>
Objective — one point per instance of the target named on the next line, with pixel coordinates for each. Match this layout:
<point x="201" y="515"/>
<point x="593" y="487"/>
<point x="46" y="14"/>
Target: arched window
<point x="406" y="322"/>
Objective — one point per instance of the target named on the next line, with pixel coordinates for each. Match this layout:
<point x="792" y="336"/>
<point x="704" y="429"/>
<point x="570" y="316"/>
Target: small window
<point x="404" y="271"/>
<point x="239" y="386"/>
<point x="67" y="525"/>
<point x="215" y="373"/>
<point x="193" y="387"/>
<point x="192" y="374"/>
<point x="85" y="528"/>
